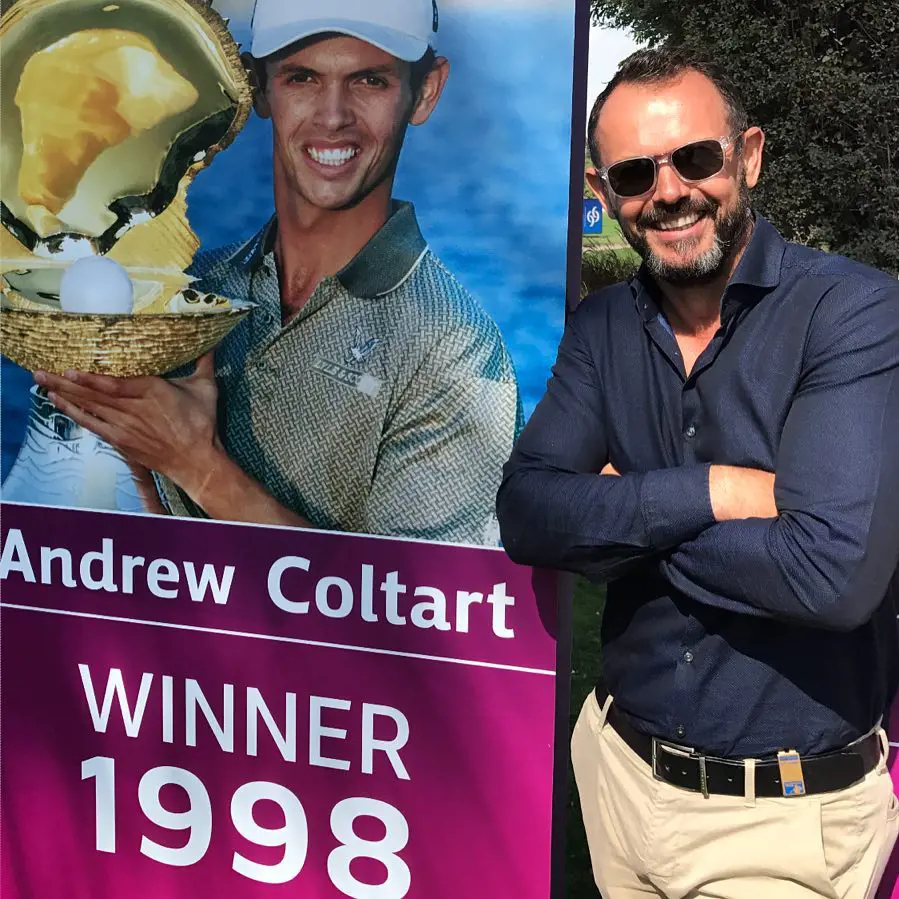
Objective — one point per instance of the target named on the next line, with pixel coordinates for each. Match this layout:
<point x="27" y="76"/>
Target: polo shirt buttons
<point x="690" y="433"/>
<point x="688" y="656"/>
<point x="680" y="731"/>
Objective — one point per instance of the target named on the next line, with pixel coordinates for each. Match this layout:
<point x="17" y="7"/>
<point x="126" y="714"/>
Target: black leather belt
<point x="683" y="767"/>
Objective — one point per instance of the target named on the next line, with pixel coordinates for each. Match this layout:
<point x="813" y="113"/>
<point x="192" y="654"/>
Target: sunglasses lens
<point x="699" y="160"/>
<point x="632" y="177"/>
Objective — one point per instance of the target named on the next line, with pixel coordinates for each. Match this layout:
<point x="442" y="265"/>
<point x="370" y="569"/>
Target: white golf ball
<point x="96" y="284"/>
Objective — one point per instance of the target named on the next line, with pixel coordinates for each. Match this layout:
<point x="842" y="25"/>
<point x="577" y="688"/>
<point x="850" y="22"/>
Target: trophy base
<point x="62" y="464"/>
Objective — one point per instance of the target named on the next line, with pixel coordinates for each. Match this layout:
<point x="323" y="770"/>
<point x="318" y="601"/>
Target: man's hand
<point x="159" y="425"/>
<point x="146" y="488"/>
<point x="741" y="493"/>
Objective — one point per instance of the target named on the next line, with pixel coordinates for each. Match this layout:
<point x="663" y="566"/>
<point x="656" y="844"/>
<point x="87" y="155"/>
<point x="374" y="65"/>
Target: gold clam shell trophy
<point x="109" y="110"/>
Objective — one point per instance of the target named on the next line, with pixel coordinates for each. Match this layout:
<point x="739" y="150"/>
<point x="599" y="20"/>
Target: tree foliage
<point x="821" y="77"/>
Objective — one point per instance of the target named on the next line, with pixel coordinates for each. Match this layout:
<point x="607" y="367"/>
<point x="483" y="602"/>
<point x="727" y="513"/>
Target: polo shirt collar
<point x="381" y="266"/>
<point x="758" y="267"/>
<point x="388" y="259"/>
<point x="250" y="254"/>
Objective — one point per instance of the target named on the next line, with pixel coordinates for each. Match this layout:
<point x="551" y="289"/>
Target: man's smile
<point x="680" y="223"/>
<point x="332" y="157"/>
<point x="682" y="227"/>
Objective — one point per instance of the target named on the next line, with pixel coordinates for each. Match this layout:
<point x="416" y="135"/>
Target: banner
<point x="259" y="634"/>
<point x="889" y="884"/>
<point x="194" y="709"/>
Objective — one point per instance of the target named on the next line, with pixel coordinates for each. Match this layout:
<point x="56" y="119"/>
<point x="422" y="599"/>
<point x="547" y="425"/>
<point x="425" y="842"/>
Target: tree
<point x="821" y="77"/>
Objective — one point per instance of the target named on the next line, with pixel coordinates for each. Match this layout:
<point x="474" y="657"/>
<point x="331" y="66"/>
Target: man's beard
<point x="729" y="231"/>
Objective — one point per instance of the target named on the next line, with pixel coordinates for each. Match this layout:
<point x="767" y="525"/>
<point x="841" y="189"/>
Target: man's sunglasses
<point x="693" y="162"/>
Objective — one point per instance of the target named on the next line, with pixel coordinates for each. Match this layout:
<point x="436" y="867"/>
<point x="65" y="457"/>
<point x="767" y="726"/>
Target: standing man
<point x="720" y="443"/>
<point x="368" y="392"/>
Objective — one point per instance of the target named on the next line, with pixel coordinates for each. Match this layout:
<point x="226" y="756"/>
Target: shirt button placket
<point x="690" y="413"/>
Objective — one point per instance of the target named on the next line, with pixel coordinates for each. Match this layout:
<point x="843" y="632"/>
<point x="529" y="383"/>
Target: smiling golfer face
<point x="340" y="108"/>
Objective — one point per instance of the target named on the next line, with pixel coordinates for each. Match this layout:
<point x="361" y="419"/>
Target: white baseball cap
<point x="402" y="28"/>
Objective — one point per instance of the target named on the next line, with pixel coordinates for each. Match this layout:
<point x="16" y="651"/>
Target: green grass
<point x="586" y="665"/>
<point x="610" y="238"/>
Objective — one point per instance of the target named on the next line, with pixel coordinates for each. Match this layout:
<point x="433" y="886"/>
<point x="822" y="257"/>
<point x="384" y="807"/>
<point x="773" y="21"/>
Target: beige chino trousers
<point x="650" y="839"/>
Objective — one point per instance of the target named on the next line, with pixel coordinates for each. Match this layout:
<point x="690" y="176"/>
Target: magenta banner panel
<point x="194" y="710"/>
<point x="889" y="886"/>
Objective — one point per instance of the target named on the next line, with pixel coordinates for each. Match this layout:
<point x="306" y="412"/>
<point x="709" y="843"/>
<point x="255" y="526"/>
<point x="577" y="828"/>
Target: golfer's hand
<point x="160" y="425"/>
<point x="146" y="488"/>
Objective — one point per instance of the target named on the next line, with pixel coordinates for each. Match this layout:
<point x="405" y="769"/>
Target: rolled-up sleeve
<point x="556" y="510"/>
<point x="828" y="557"/>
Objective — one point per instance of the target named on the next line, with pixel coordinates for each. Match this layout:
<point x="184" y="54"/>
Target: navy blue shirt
<point x="743" y="637"/>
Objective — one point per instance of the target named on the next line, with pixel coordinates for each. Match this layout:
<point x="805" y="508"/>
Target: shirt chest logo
<point x="348" y="371"/>
<point x="362" y="349"/>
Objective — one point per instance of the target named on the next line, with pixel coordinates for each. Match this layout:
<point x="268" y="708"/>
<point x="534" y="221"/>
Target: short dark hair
<point x="664" y="64"/>
<point x="420" y="69"/>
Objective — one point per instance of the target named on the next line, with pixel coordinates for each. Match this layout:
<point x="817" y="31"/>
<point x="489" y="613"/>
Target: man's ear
<point x="598" y="186"/>
<point x="430" y="91"/>
<point x="753" y="147"/>
<point x="256" y="72"/>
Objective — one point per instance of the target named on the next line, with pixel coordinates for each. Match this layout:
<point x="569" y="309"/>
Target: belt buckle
<point x="684" y="752"/>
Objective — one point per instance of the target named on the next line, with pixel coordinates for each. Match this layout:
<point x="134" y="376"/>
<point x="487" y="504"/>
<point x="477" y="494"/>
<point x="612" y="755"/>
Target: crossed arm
<point x="563" y="505"/>
<point x="817" y="544"/>
<point x="828" y="556"/>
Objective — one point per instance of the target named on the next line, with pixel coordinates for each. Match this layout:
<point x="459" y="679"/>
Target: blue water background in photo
<point x="488" y="175"/>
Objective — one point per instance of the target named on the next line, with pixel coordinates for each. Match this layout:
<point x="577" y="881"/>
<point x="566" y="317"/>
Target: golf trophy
<point x="109" y="110"/>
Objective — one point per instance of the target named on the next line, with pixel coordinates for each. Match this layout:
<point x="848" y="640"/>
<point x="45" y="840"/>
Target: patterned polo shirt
<point x="388" y="405"/>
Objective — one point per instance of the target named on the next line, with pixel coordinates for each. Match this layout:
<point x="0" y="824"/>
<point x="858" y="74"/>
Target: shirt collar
<point x="761" y="261"/>
<point x="381" y="266"/>
<point x="758" y="267"/>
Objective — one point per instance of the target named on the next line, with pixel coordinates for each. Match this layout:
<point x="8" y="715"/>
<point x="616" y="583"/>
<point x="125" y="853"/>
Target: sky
<point x="608" y="47"/>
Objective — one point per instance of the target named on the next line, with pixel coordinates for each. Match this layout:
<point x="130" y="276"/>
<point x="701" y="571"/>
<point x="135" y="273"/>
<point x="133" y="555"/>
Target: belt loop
<point x="749" y="782"/>
<point x="885" y="750"/>
<point x="604" y="710"/>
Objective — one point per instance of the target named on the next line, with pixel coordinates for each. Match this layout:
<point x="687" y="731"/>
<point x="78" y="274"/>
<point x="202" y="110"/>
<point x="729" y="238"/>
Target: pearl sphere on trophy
<point x="108" y="113"/>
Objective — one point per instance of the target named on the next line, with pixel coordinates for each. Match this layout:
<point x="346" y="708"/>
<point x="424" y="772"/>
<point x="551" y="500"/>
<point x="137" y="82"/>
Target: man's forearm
<point x="734" y="492"/>
<point x="604" y="525"/>
<point x="226" y="492"/>
<point x="792" y="565"/>
<point x="738" y="493"/>
<point x="599" y="525"/>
